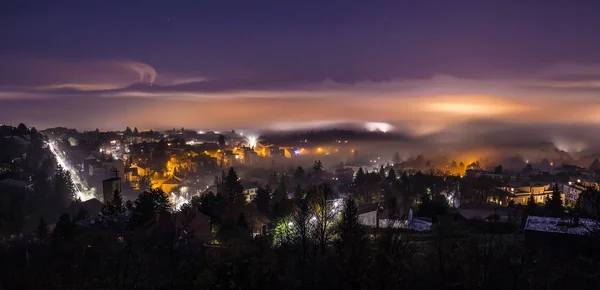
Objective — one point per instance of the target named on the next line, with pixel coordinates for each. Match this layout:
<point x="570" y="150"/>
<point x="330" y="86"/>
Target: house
<point x="250" y="191"/>
<point x="14" y="183"/>
<point x="109" y="186"/>
<point x="562" y="234"/>
<point x="519" y="192"/>
<point x="375" y="216"/>
<point x="170" y="184"/>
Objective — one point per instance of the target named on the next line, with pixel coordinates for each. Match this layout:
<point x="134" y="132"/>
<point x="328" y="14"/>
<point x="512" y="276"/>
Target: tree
<point x="233" y="188"/>
<point x="128" y="131"/>
<point x="263" y="198"/>
<point x="281" y="191"/>
<point x="135" y="131"/>
<point x="65" y="228"/>
<point x="299" y="175"/>
<point x="242" y="223"/>
<point x="42" y="230"/>
<point x="317" y="166"/>
<point x="22" y="129"/>
<point x="530" y="209"/>
<point x="114" y="206"/>
<point x="150" y="203"/>
<point x="63" y="188"/>
<point x="324" y="217"/>
<point x="391" y="177"/>
<point x="360" y="179"/>
<point x="129" y="205"/>
<point x="298" y="194"/>
<point x="554" y="203"/>
<point x="351" y="247"/>
<point x="145" y="183"/>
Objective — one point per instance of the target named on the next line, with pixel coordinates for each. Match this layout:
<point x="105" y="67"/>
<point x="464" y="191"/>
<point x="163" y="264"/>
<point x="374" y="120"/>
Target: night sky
<point x="426" y="67"/>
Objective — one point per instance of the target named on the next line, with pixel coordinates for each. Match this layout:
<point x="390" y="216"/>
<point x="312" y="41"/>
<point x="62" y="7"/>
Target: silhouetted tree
<point x="554" y="203"/>
<point x="65" y="228"/>
<point x="150" y="203"/>
<point x="114" y="205"/>
<point x="135" y="131"/>
<point x="317" y="166"/>
<point x="233" y="188"/>
<point x="263" y="198"/>
<point x="22" y="129"/>
<point x="360" y="179"/>
<point x="42" y="230"/>
<point x="351" y="248"/>
<point x="128" y="131"/>
<point x="63" y="188"/>
<point x="145" y="182"/>
<point x="298" y="194"/>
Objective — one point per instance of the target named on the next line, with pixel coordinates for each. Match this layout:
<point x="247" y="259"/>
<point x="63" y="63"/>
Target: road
<point x="81" y="191"/>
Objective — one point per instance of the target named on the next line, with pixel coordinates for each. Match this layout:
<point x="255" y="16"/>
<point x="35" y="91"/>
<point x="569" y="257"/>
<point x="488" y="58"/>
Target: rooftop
<point x="561" y="225"/>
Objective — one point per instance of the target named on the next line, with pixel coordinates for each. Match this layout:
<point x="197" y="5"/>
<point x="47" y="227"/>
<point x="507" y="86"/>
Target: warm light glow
<point x="378" y="126"/>
<point x="252" y="141"/>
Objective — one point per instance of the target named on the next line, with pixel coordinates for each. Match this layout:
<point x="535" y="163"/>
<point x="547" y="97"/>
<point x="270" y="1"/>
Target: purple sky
<point x="244" y="64"/>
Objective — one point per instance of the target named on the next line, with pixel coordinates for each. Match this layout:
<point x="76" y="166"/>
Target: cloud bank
<point x="115" y="94"/>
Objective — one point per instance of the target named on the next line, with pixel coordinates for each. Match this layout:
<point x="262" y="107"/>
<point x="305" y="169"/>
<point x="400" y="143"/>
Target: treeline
<point x="310" y="241"/>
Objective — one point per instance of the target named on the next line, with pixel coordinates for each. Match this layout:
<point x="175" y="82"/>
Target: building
<point x="170" y="184"/>
<point x="571" y="192"/>
<point x="374" y="216"/>
<point x="109" y="186"/>
<point x="519" y="192"/>
<point x="250" y="191"/>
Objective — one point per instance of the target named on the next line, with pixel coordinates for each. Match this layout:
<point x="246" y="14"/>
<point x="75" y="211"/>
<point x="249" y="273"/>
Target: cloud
<point x="420" y="107"/>
<point x="38" y="74"/>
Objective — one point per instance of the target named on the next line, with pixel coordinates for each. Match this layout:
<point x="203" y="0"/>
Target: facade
<point x="571" y="192"/>
<point x="109" y="186"/>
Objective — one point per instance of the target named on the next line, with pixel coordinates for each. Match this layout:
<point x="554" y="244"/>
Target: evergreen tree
<point x="317" y="166"/>
<point x="391" y="177"/>
<point x="42" y="230"/>
<point x="63" y="188"/>
<point x="233" y="187"/>
<point x="135" y="131"/>
<point x="65" y="228"/>
<point x="22" y="129"/>
<point x="281" y="191"/>
<point x="150" y="203"/>
<point x="129" y="205"/>
<point x="114" y="206"/>
<point x="299" y="175"/>
<point x="128" y="131"/>
<point x="530" y="209"/>
<point x="554" y="203"/>
<point x="263" y="198"/>
<point x="298" y="194"/>
<point x="381" y="172"/>
<point x="242" y="223"/>
<point x="360" y="179"/>
<point x="351" y="248"/>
